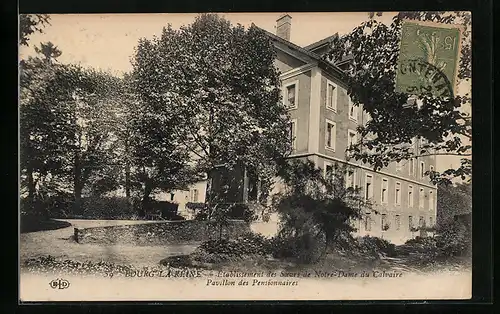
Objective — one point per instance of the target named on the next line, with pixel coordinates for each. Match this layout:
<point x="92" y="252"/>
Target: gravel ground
<point x="58" y="243"/>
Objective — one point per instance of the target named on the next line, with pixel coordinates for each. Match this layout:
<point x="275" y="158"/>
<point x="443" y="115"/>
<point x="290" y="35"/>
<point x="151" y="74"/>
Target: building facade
<point x="323" y="125"/>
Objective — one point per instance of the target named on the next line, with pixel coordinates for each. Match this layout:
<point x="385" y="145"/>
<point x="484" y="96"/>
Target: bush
<point x="303" y="249"/>
<point x="454" y="239"/>
<point x="224" y="250"/>
<point x="375" y="246"/>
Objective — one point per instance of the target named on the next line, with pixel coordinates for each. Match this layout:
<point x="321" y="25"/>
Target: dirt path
<point x="59" y="244"/>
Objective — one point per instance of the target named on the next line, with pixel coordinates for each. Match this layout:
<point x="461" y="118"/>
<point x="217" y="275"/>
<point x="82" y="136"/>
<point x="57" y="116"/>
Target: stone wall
<point x="159" y="233"/>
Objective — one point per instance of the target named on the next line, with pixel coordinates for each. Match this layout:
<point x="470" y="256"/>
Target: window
<point x="368" y="187"/>
<point x="412" y="166"/>
<point x="431" y="200"/>
<point x="353" y="111"/>
<point x="330" y="135"/>
<point x="291" y="95"/>
<point x="172" y="196"/>
<point x="350" y="180"/>
<point x="431" y="170"/>
<point x="385" y="189"/>
<point x="431" y="221"/>
<point x="194" y="195"/>
<point x="397" y="222"/>
<point x="410" y="223"/>
<point x="397" y="194"/>
<point x="383" y="222"/>
<point x="329" y="170"/>
<point x="368" y="222"/>
<point x="422" y="170"/>
<point x="410" y="196"/>
<point x="399" y="165"/>
<point x="351" y="138"/>
<point x="331" y="96"/>
<point x="421" y="221"/>
<point x="292" y="133"/>
<point x="421" y="197"/>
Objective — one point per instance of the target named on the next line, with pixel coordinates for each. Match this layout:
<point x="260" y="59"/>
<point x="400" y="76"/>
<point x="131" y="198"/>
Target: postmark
<point x="428" y="59"/>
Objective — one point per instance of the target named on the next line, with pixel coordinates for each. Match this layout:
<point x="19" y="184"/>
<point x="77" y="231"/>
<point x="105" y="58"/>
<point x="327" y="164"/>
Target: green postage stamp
<point x="428" y="59"/>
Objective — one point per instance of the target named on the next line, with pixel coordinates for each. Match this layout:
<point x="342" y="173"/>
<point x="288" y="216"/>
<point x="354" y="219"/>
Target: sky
<point x="107" y="41"/>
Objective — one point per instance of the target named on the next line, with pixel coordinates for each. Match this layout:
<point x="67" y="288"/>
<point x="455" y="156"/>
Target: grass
<point x="31" y="223"/>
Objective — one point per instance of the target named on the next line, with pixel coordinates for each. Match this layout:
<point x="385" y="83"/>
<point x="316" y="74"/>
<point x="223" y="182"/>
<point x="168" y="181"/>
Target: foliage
<point x="454" y="238"/>
<point x="375" y="245"/>
<point x="219" y="86"/>
<point x="315" y="209"/>
<point x="29" y="24"/>
<point x="67" y="122"/>
<point x="230" y="250"/>
<point x="442" y="123"/>
<point x="60" y="205"/>
<point x="49" y="264"/>
<point x="453" y="200"/>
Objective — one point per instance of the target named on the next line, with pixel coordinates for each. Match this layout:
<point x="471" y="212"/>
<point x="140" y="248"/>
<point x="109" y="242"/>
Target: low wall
<point x="159" y="233"/>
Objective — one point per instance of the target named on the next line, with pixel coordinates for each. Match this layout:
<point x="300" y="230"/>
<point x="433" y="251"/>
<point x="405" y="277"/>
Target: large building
<point x="323" y="125"/>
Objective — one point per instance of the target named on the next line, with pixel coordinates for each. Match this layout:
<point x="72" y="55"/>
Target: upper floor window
<point x="410" y="196"/>
<point x="351" y="138"/>
<point x="292" y="133"/>
<point x="331" y="95"/>
<point x="397" y="193"/>
<point x="399" y="165"/>
<point x="385" y="191"/>
<point x="292" y="95"/>
<point x="330" y="135"/>
<point x="412" y="166"/>
<point x="368" y="187"/>
<point x="422" y="170"/>
<point x="353" y="111"/>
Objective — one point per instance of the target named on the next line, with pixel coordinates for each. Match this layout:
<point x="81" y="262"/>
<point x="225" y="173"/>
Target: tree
<point x="315" y="208"/>
<point x="220" y="87"/>
<point x="91" y="158"/>
<point x="29" y="24"/>
<point x="154" y="156"/>
<point x="43" y="128"/>
<point x="441" y="122"/>
<point x="453" y="200"/>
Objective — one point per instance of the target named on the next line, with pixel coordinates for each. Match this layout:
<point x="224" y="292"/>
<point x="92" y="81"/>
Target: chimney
<point x="283" y="27"/>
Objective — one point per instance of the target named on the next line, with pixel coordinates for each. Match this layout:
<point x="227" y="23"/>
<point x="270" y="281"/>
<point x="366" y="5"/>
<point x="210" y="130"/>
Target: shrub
<point x="195" y="206"/>
<point x="375" y="246"/>
<point x="221" y="250"/>
<point x="454" y="239"/>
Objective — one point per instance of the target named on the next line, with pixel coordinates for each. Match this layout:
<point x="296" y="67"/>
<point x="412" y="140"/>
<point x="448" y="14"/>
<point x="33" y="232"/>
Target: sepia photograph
<point x="245" y="156"/>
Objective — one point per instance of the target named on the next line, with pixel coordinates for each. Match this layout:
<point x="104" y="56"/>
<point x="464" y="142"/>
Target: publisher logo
<point x="59" y="284"/>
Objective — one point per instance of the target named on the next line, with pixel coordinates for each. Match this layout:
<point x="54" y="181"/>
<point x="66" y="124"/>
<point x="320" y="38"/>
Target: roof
<point x="321" y="42"/>
<point x="304" y="51"/>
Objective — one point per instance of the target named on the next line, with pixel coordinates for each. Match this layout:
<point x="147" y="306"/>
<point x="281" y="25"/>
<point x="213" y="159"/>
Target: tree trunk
<point x="31" y="191"/>
<point x="209" y="195"/>
<point x="77" y="186"/>
<point x="145" y="202"/>
<point x="127" y="174"/>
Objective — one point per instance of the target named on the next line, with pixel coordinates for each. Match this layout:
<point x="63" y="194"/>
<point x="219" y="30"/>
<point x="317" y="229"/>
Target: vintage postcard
<point x="245" y="156"/>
